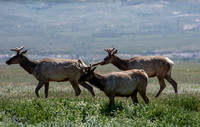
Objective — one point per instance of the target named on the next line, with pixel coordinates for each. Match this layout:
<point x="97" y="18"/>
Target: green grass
<point x="176" y="111"/>
<point x="20" y="107"/>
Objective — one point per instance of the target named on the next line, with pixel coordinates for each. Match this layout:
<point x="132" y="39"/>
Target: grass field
<point x="20" y="107"/>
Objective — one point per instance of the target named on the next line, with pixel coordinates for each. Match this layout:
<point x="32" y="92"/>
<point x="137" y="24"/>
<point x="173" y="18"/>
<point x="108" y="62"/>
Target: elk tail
<point x="171" y="66"/>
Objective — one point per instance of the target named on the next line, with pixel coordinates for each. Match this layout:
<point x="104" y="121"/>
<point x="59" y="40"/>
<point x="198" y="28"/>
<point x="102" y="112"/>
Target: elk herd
<point x="131" y="80"/>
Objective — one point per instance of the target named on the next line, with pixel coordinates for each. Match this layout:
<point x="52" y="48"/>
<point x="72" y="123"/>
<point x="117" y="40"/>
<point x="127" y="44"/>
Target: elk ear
<point x="24" y="52"/>
<point x="17" y="54"/>
<point x="93" y="69"/>
<point x="115" y="52"/>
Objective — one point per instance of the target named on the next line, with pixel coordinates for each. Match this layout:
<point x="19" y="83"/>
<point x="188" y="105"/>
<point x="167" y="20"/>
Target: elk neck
<point x="28" y="65"/>
<point x="97" y="81"/>
<point x="120" y="63"/>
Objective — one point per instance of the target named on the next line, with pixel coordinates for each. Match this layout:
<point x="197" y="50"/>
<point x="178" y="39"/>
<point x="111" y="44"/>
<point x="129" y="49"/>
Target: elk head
<point x="108" y="59"/>
<point x="18" y="58"/>
<point x="88" y="74"/>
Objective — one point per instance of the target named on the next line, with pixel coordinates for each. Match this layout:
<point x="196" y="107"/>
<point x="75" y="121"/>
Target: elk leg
<point x="172" y="82"/>
<point x="162" y="86"/>
<point x="144" y="96"/>
<point x="88" y="87"/>
<point x="40" y="84"/>
<point x="76" y="87"/>
<point x="134" y="97"/>
<point x="46" y="89"/>
<point x="112" y="101"/>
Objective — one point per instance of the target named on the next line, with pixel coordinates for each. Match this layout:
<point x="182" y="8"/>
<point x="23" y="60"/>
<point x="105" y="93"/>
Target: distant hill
<point x="86" y="28"/>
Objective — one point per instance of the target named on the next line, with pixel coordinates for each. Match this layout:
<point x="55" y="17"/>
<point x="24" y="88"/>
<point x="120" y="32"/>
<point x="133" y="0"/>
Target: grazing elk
<point x="123" y="84"/>
<point x="47" y="69"/>
<point x="153" y="65"/>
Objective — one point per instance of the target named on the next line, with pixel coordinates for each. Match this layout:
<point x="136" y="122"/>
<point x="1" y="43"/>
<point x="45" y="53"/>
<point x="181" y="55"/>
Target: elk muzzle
<point x="99" y="63"/>
<point x="8" y="62"/>
<point x="81" y="80"/>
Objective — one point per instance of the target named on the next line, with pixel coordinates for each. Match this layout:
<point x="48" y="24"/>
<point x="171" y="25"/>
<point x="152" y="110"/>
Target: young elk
<point x="46" y="70"/>
<point x="123" y="84"/>
<point x="153" y="65"/>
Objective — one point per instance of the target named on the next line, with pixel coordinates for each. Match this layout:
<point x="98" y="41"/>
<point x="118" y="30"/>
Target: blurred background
<point x="83" y="28"/>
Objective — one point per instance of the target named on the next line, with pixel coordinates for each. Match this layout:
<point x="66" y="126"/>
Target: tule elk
<point x="158" y="66"/>
<point x="123" y="84"/>
<point x="47" y="69"/>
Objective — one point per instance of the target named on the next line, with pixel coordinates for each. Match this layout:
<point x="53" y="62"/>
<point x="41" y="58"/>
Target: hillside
<point x="86" y="28"/>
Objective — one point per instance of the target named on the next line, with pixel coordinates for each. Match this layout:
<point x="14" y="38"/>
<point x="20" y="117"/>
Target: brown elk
<point x="158" y="66"/>
<point x="123" y="84"/>
<point x="47" y="69"/>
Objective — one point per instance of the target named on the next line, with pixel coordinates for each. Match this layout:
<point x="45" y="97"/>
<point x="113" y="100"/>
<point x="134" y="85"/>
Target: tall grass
<point x="176" y="111"/>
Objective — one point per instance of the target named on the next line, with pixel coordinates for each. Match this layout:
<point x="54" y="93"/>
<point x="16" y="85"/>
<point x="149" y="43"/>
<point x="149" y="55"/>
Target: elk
<point x="47" y="69"/>
<point x="123" y="84"/>
<point x="158" y="66"/>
